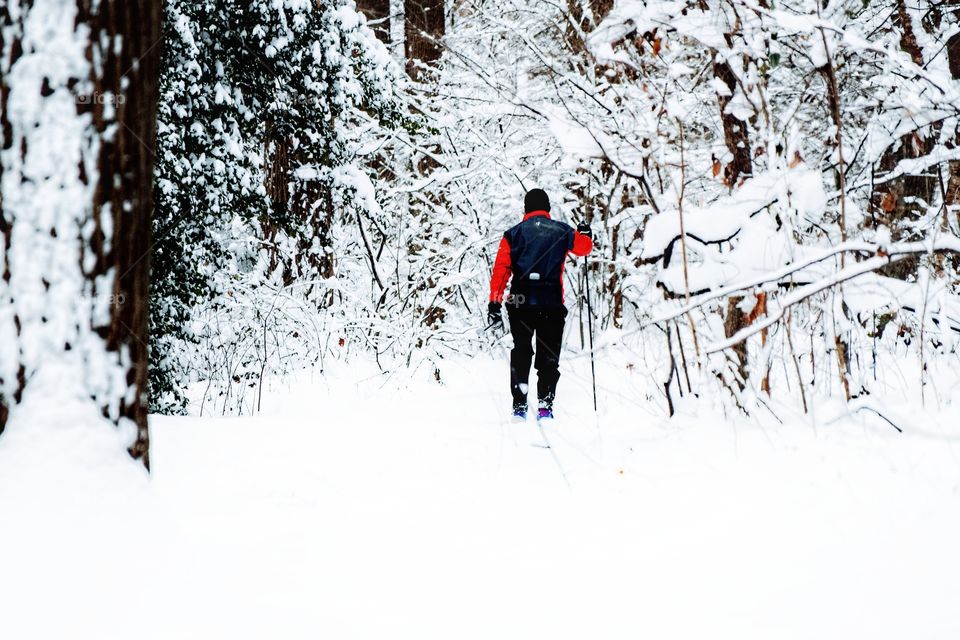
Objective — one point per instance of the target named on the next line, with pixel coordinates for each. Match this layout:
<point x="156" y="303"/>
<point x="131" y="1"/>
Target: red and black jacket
<point x="534" y="253"/>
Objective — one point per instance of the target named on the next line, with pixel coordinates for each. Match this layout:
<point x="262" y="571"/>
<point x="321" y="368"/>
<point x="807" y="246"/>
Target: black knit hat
<point x="536" y="200"/>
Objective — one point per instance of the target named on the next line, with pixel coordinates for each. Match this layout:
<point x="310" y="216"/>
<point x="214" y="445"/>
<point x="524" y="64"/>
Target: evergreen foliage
<point x="242" y="83"/>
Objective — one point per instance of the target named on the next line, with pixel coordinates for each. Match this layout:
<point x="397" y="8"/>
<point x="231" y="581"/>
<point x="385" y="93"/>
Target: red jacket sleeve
<point x="582" y="245"/>
<point x="501" y="272"/>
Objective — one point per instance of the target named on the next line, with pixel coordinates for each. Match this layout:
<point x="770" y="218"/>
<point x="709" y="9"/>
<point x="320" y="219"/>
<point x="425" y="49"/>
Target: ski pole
<point x="593" y="372"/>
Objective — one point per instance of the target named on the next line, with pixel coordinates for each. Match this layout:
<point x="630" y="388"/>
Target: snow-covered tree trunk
<point x="952" y="196"/>
<point x="277" y="183"/>
<point x="735" y="130"/>
<point x="737" y="140"/>
<point x="78" y="108"/>
<point x="901" y="200"/>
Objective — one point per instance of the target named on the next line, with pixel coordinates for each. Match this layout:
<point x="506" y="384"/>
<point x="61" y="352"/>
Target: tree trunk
<point x="378" y="17"/>
<point x="276" y="154"/>
<point x="735" y="132"/>
<point x="125" y="190"/>
<point x="92" y="235"/>
<point x="897" y="202"/>
<point x="952" y="200"/>
<point x="736" y="137"/>
<point x="735" y="321"/>
<point x="424" y="24"/>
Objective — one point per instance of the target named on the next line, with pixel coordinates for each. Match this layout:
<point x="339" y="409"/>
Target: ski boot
<point x="545" y="407"/>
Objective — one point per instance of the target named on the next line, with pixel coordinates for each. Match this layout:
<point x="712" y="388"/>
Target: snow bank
<point x="78" y="522"/>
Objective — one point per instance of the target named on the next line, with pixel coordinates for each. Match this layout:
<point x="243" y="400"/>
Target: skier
<point x="533" y="253"/>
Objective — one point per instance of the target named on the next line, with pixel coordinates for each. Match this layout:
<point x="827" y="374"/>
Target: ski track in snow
<point x="358" y="510"/>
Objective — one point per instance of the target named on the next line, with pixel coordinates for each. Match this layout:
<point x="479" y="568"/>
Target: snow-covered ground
<point x="361" y="506"/>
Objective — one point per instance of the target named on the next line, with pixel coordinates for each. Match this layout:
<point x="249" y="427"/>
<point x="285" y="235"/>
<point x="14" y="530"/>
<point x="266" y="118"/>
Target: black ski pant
<point x="546" y="325"/>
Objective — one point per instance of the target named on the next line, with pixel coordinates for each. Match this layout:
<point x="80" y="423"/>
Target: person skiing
<point x="533" y="253"/>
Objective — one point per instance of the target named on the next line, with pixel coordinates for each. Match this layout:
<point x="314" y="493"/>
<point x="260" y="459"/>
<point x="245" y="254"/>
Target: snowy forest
<point x="245" y="269"/>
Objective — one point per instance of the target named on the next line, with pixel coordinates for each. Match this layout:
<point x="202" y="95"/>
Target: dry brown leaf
<point x="759" y="309"/>
<point x="889" y="202"/>
<point x="917" y="144"/>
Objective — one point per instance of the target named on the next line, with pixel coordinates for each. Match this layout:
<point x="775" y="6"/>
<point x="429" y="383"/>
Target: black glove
<point x="494" y="314"/>
<point x="584" y="229"/>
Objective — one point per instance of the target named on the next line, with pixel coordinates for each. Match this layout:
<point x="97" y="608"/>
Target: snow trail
<point x="353" y="509"/>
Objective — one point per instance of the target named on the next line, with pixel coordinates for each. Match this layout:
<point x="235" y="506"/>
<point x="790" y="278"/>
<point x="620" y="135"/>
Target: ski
<point x="543" y="435"/>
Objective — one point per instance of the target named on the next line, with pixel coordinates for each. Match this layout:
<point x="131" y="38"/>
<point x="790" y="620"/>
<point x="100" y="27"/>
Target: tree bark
<point x="11" y="31"/>
<point x="735" y="132"/>
<point x="125" y="188"/>
<point x="377" y="13"/>
<point x="734" y="322"/>
<point x="736" y="138"/>
<point x="113" y="139"/>
<point x="902" y="199"/>
<point x="276" y="153"/>
<point x="952" y="199"/>
<point x="424" y="25"/>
